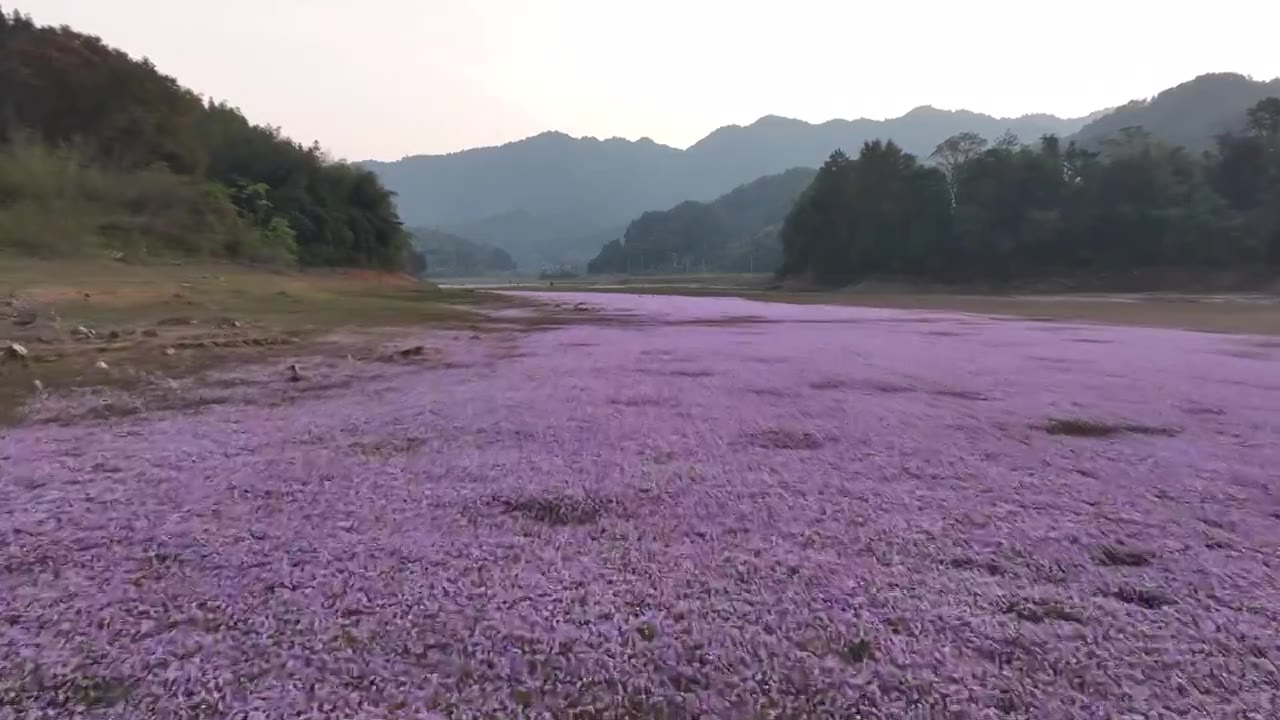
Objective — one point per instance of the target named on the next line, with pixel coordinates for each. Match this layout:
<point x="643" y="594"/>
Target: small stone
<point x="25" y="316"/>
<point x="101" y="365"/>
<point x="16" y="351"/>
<point x="39" y="385"/>
<point x="295" y="375"/>
<point x="346" y="525"/>
<point x="83" y="333"/>
<point x="150" y="332"/>
<point x="170" y="352"/>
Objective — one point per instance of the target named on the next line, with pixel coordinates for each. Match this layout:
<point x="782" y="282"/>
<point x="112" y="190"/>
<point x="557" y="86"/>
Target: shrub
<point x="53" y="202"/>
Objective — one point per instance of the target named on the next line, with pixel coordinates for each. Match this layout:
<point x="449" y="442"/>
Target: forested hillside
<point x="102" y="152"/>
<point x="1013" y="210"/>
<point x="448" y="255"/>
<point x="553" y="198"/>
<point x="1192" y="114"/>
<point x="735" y="233"/>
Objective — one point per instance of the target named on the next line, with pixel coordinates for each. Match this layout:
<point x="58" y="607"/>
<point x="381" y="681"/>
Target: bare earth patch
<point x="784" y="439"/>
<point x="1081" y="427"/>
<point x="560" y="509"/>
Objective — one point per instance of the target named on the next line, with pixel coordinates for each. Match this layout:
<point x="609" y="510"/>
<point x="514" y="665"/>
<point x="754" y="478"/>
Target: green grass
<point x="54" y="202"/>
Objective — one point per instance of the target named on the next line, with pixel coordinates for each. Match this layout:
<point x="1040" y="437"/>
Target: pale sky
<point x="387" y="78"/>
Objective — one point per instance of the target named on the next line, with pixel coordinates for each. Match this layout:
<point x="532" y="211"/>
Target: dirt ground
<point x="1250" y="313"/>
<point x="78" y="324"/>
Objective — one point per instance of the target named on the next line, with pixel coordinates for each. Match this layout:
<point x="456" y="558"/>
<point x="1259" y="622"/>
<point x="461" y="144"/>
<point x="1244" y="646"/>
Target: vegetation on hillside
<point x="1191" y="114"/>
<point x="449" y="255"/>
<point x="556" y="199"/>
<point x="1010" y="209"/>
<point x="735" y="233"/>
<point x="553" y="199"/>
<point x="99" y="151"/>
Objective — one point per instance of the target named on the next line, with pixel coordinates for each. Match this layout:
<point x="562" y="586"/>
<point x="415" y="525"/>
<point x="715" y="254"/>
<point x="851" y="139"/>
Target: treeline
<point x="1007" y="209"/>
<point x="737" y="232"/>
<point x="99" y="150"/>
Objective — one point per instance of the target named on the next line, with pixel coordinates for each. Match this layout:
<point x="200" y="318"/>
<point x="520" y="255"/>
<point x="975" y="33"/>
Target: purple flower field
<point x="674" y="508"/>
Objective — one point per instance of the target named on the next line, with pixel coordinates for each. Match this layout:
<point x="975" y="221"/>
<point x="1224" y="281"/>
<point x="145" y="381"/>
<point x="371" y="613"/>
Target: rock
<point x="170" y="352"/>
<point x="113" y="335"/>
<point x="83" y="333"/>
<point x="415" y="351"/>
<point x="150" y="332"/>
<point x="87" y="296"/>
<point x="15" y="351"/>
<point x="39" y="385"/>
<point x="25" y="316"/>
<point x="294" y="374"/>
<point x="101" y="365"/>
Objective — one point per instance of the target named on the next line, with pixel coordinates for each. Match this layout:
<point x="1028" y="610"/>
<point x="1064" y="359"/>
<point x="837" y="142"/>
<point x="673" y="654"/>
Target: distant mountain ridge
<point x="1191" y="114"/>
<point x="553" y="198"/>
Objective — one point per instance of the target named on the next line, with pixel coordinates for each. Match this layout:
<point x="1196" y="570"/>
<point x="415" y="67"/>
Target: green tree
<point x="123" y="115"/>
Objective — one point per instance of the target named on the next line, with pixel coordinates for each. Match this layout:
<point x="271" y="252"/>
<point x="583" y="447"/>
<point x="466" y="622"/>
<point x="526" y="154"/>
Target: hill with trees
<point x="735" y="233"/>
<point x="1010" y="210"/>
<point x="449" y="255"/>
<point x="552" y="198"/>
<point x="1191" y="115"/>
<point x="101" y="152"/>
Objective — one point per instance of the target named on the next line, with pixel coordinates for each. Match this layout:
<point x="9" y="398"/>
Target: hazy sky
<point x="387" y="78"/>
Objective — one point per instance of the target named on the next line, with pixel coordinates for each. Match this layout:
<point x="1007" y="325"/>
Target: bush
<point x="53" y="202"/>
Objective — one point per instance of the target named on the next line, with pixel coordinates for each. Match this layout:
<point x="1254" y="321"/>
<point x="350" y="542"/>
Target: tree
<point x="1008" y="140"/>
<point x="1264" y="119"/>
<point x="954" y="152"/>
<point x="1012" y="210"/>
<point x="66" y="88"/>
<point x="882" y="212"/>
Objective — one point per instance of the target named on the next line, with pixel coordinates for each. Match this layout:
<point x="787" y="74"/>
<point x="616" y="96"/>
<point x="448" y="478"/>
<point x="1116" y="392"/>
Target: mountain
<point x="553" y="198"/>
<point x="535" y="197"/>
<point x="449" y="255"/>
<point x="1190" y="114"/>
<point x="737" y="232"/>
